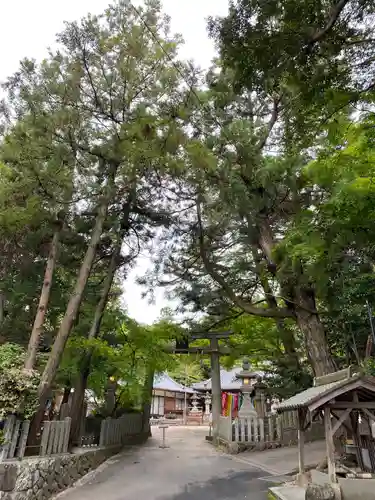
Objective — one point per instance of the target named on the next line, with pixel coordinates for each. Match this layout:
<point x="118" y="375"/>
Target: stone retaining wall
<point x="41" y="478"/>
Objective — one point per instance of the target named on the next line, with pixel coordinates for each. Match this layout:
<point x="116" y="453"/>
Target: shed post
<point x="301" y="442"/>
<point x="329" y="445"/>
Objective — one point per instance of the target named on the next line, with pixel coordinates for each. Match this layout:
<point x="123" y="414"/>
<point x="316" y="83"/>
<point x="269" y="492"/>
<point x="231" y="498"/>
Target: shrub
<point x="18" y="387"/>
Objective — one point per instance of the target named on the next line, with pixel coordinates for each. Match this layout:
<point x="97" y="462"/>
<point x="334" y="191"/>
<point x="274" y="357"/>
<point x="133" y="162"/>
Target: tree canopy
<point x="250" y="185"/>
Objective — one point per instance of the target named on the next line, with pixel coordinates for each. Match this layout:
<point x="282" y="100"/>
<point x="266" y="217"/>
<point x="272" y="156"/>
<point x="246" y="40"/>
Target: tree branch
<point x="272" y="122"/>
<point x="224" y="320"/>
<point x="334" y="15"/>
<point x="247" y="307"/>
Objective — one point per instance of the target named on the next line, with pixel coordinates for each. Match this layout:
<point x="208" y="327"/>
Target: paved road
<point x="190" y="469"/>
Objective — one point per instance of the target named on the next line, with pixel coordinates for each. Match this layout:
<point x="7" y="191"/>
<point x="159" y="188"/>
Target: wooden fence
<point x="15" y="438"/>
<point x="273" y="430"/>
<point x="289" y="419"/>
<point x="116" y="431"/>
<point x="252" y="430"/>
<point x="256" y="430"/>
<point x="55" y="437"/>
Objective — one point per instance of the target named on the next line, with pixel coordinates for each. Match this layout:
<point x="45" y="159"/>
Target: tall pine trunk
<point x="302" y="302"/>
<point x="286" y="334"/>
<point x="81" y="381"/>
<point x="36" y="332"/>
<point x="49" y="373"/>
<point x="315" y="340"/>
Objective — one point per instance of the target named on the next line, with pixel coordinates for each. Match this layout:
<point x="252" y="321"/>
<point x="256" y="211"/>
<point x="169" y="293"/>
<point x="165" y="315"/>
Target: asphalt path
<point x="189" y="469"/>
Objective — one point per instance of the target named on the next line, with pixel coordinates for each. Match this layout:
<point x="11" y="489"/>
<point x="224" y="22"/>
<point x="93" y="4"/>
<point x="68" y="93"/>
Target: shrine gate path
<point x="190" y="469"/>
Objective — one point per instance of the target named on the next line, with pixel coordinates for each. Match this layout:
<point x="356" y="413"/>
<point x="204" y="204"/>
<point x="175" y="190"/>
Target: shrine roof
<point x="164" y="382"/>
<point x="328" y="388"/>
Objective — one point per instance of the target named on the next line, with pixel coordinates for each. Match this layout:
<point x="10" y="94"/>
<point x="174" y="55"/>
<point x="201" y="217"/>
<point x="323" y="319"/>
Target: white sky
<point x="27" y="28"/>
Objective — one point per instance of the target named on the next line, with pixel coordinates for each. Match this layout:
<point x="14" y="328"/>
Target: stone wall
<point x="41" y="478"/>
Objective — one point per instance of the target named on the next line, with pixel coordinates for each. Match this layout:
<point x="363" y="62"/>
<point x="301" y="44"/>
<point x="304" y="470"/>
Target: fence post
<point x="8" y="430"/>
<point x="14" y="439"/>
<point x="64" y="411"/>
<point x="51" y="438"/>
<point x="23" y="438"/>
<point x="105" y="432"/>
<point x="279" y="428"/>
<point x="45" y="437"/>
<point x="56" y="437"/>
<point x="101" y="438"/>
<point x="270" y="428"/>
<point x="261" y="430"/>
<point x="229" y="430"/>
<point x="66" y="434"/>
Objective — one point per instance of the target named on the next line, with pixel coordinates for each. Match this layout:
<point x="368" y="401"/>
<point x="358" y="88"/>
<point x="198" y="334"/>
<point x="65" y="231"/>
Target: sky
<point x="28" y="28"/>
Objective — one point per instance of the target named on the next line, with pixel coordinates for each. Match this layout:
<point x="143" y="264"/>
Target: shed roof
<point x="320" y="394"/>
<point x="164" y="382"/>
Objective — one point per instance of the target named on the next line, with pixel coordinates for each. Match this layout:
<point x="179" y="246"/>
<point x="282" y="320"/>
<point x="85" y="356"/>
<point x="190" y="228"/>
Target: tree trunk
<point x="81" y="382"/>
<point x="316" y="343"/>
<point x="2" y="308"/>
<point x="147" y="400"/>
<point x="78" y="399"/>
<point x="36" y="332"/>
<point x="67" y="391"/>
<point x="74" y="303"/>
<point x="286" y="335"/>
<point x="302" y="301"/>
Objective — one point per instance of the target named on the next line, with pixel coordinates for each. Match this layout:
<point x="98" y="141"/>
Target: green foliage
<point x="369" y="367"/>
<point x="125" y="350"/>
<point x="258" y="197"/>
<point x="18" y="388"/>
<point x="310" y="54"/>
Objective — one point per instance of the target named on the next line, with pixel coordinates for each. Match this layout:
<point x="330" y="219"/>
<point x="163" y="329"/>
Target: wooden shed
<point x="343" y="399"/>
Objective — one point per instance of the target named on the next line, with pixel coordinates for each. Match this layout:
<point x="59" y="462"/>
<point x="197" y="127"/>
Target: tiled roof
<point x="313" y="394"/>
<point x="228" y="379"/>
<point x="164" y="382"/>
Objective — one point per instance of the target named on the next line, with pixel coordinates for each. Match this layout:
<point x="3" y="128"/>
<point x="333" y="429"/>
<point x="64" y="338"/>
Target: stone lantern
<point x="194" y="401"/>
<point x="248" y="380"/>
